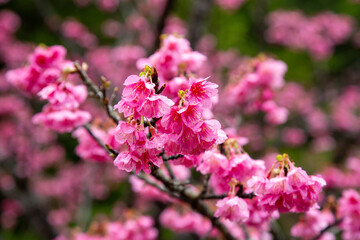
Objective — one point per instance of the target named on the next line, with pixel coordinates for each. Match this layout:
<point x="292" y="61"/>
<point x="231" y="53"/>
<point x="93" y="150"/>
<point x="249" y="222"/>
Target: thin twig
<point x="205" y="185"/>
<point x="172" y="187"/>
<point x="173" y="157"/>
<point x="97" y="92"/>
<point x="159" y="187"/>
<point x="170" y="171"/>
<point x="87" y="127"/>
<point x="180" y="191"/>
<point x="221" y="196"/>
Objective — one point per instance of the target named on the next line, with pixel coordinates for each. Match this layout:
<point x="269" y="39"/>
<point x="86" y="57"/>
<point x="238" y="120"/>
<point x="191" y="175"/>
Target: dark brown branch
<point x="205" y="185"/>
<point x="170" y="171"/>
<point x="173" y="157"/>
<point x="149" y="182"/>
<point x="221" y="196"/>
<point x="180" y="191"/>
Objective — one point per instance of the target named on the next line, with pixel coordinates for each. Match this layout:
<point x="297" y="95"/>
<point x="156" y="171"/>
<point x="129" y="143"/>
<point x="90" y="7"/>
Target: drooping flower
<point x="138" y="160"/>
<point x="233" y="208"/>
<point x="61" y="120"/>
<point x="287" y="188"/>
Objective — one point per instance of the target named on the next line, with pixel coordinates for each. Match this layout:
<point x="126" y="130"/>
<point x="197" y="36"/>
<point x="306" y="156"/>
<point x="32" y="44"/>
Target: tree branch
<point x="180" y="191"/>
<point x="172" y="187"/>
<point x="97" y="92"/>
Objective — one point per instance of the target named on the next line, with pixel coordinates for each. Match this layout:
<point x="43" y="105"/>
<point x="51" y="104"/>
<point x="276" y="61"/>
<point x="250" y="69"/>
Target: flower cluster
<point x="318" y="34"/>
<point x="46" y="65"/>
<point x="139" y="101"/>
<point x="186" y="221"/>
<point x="349" y="177"/>
<point x="232" y="208"/>
<point x="181" y="130"/>
<point x="141" y="227"/>
<point x="62" y="112"/>
<point x="77" y="32"/>
<point x="188" y="132"/>
<point x="46" y="76"/>
<point x="348" y="210"/>
<point x="173" y="61"/>
<point x="345" y="110"/>
<point x="313" y="223"/>
<point x="89" y="149"/>
<point x="287" y="188"/>
<point x="235" y="165"/>
<point x="253" y="87"/>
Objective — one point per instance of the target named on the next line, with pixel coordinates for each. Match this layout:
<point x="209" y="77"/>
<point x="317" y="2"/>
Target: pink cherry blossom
<point x="288" y="190"/>
<point x="232" y="208"/>
<point x="312" y="224"/>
